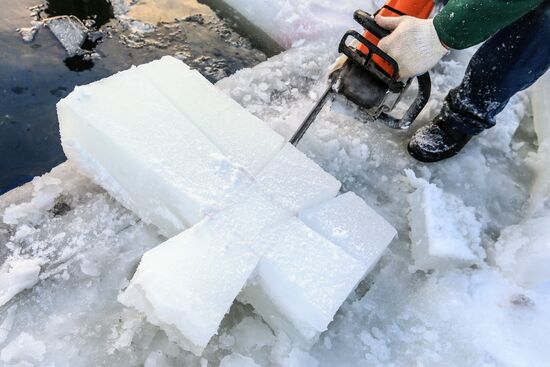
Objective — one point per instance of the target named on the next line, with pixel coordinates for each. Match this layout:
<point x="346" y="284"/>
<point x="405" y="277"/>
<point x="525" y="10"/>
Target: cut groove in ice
<point x="295" y="181"/>
<point x="236" y="132"/>
<point x="351" y="224"/>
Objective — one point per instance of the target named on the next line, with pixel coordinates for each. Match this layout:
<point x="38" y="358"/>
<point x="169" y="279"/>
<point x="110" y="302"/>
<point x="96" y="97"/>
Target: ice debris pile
<point x="249" y="215"/>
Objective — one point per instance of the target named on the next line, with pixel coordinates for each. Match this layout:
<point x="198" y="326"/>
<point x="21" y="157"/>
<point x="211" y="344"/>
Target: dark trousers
<point x="508" y="62"/>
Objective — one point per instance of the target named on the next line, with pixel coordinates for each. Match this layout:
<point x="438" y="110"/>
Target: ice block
<point x="444" y="231"/>
<point x="301" y="281"/>
<point x="187" y="284"/>
<point x="351" y="224"/>
<point x="236" y="132"/>
<point x="125" y="135"/>
<point x="295" y="181"/>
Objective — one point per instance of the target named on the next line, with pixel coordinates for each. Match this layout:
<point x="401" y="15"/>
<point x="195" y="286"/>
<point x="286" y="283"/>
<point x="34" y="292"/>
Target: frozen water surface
<point x="88" y="247"/>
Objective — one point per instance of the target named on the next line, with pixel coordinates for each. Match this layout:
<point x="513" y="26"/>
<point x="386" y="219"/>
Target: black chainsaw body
<point x="368" y="85"/>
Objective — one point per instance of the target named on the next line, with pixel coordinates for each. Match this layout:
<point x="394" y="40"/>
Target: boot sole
<point x="425" y="157"/>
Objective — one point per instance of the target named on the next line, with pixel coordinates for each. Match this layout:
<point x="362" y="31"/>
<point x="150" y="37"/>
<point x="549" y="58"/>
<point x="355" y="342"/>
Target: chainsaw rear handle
<point x="389" y="78"/>
<point x="422" y="98"/>
<point x="361" y="58"/>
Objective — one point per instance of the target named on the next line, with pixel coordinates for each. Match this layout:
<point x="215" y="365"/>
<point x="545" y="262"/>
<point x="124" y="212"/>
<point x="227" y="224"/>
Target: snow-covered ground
<point x="491" y="310"/>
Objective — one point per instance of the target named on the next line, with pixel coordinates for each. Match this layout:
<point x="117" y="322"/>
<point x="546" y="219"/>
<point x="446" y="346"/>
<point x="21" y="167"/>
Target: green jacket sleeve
<point x="464" y="23"/>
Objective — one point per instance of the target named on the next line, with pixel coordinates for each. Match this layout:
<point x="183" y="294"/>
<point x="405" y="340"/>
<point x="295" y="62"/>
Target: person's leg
<point x="507" y="63"/>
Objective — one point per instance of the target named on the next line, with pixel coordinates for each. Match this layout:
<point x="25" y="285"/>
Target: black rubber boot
<point x="435" y="142"/>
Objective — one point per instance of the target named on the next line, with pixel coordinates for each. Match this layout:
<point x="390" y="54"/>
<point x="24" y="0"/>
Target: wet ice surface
<point x="35" y="70"/>
<point x="202" y="41"/>
<point x="88" y="247"/>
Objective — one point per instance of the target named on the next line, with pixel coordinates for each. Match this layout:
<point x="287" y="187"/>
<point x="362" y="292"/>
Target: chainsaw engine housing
<point x="366" y="90"/>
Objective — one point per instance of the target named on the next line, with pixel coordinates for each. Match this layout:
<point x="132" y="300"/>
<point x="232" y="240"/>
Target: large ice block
<point x="236" y="132"/>
<point x="351" y="224"/>
<point x="295" y="181"/>
<point x="125" y="135"/>
<point x="301" y="281"/>
<point x="187" y="284"/>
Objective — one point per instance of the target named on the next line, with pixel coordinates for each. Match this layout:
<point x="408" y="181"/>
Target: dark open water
<point x="35" y="75"/>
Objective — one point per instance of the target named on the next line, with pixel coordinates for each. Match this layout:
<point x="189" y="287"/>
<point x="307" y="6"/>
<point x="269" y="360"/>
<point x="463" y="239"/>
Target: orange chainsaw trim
<point x="415" y="8"/>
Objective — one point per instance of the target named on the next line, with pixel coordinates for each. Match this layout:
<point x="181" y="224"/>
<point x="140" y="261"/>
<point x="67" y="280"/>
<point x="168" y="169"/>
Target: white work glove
<point x="414" y="44"/>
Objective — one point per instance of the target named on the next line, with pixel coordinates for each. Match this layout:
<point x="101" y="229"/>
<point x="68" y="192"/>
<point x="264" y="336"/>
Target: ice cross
<point x="248" y="215"/>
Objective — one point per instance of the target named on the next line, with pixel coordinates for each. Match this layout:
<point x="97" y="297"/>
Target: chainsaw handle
<point x="361" y="58"/>
<point x="422" y="98"/>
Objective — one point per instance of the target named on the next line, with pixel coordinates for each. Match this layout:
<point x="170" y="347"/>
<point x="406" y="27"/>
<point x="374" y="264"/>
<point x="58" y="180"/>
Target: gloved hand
<point x="414" y="44"/>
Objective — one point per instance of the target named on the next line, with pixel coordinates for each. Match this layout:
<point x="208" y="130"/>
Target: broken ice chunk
<point x="28" y="33"/>
<point x="45" y="191"/>
<point x="69" y="31"/>
<point x="187" y="284"/>
<point x="301" y="281"/>
<point x="236" y="132"/>
<point x="295" y="181"/>
<point x="128" y="138"/>
<point x="16" y="276"/>
<point x="351" y="224"/>
<point x="444" y="232"/>
<point x="523" y="252"/>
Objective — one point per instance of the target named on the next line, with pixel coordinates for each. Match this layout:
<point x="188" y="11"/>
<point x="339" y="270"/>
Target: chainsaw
<point x="369" y="78"/>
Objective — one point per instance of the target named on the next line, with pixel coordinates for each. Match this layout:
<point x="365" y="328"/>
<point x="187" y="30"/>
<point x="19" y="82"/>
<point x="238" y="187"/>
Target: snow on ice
<point x="24" y="348"/>
<point x="238" y="360"/>
<point x="45" y="191"/>
<point x="485" y="315"/>
<point x="523" y="251"/>
<point x="16" y="276"/>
